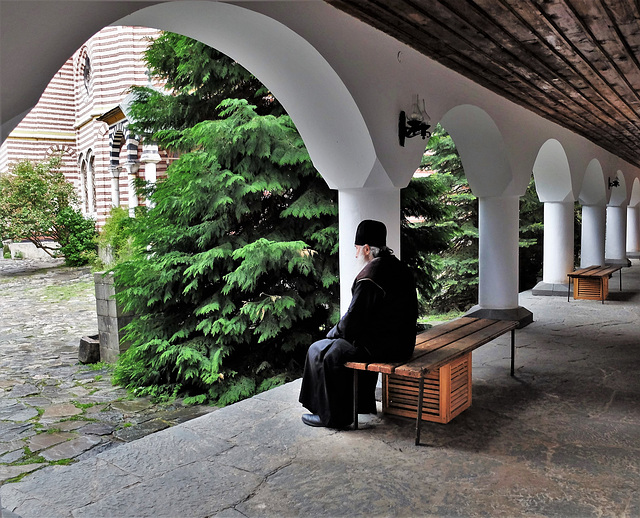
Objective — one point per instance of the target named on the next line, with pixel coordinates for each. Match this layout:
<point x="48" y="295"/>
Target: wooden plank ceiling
<point x="576" y="62"/>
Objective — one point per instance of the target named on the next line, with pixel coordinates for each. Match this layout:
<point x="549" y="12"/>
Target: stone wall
<point x="111" y="319"/>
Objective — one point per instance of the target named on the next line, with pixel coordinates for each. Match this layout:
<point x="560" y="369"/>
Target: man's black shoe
<point x="311" y="420"/>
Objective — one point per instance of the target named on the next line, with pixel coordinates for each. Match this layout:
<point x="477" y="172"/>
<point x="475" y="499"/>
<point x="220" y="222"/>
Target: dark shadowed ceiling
<point x="576" y="62"/>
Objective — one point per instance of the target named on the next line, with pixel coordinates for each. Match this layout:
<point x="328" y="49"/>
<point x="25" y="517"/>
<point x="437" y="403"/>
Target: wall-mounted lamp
<point x="613" y="183"/>
<point x="416" y="124"/>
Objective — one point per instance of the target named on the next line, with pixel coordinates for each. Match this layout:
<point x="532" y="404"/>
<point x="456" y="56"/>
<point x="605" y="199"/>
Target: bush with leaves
<point x="76" y="236"/>
<point x="117" y="235"/>
<point x="36" y="204"/>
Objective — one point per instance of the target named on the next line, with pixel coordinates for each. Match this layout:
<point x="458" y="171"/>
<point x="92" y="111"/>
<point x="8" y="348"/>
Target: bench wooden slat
<point x="595" y="271"/>
<point x="432" y="339"/>
<point x="441" y="329"/>
<point x="584" y="271"/>
<point x="357" y="365"/>
<point x="429" y="362"/>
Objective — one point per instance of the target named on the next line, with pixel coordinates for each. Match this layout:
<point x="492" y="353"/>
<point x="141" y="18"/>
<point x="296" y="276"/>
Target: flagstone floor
<point x="54" y="410"/>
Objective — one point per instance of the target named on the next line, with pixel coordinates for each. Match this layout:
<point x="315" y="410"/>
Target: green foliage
<point x="238" y="264"/>
<point x="32" y="196"/>
<point x="457" y="266"/>
<point x="76" y="236"/>
<point x="531" y="237"/>
<point x="423" y="236"/>
<point x="36" y="204"/>
<point x="117" y="234"/>
<point x="235" y="270"/>
<point x="199" y="78"/>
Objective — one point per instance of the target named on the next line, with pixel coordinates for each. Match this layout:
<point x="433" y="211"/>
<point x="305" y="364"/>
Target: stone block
<point x="102" y="308"/>
<point x="89" y="350"/>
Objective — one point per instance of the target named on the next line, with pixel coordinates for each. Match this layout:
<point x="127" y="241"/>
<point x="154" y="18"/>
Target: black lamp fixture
<point x="416" y="124"/>
<point x="613" y="183"/>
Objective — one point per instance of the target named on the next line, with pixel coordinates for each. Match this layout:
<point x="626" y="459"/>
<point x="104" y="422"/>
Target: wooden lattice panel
<point x="591" y="288"/>
<point x="447" y="392"/>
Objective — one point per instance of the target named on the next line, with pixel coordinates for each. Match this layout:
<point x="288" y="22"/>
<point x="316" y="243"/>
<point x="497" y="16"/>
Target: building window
<point x="86" y="73"/>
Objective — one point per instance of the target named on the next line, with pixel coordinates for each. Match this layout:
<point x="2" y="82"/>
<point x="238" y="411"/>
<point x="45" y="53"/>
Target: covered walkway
<point x="562" y="438"/>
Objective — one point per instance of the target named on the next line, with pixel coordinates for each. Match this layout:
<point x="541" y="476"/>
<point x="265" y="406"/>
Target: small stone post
<point x="111" y="318"/>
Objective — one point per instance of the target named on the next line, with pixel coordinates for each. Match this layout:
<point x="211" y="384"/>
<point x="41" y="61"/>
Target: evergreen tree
<point x="236" y="269"/>
<point x="531" y="237"/>
<point x="237" y="265"/>
<point x="457" y="266"/>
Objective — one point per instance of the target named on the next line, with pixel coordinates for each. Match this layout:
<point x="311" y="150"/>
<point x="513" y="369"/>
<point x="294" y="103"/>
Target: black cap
<point x="372" y="233"/>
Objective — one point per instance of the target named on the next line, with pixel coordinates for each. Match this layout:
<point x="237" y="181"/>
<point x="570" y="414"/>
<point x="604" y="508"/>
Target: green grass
<point x="442" y="317"/>
<point x="98" y="366"/>
<point x="66" y="293"/>
<point x="83" y="406"/>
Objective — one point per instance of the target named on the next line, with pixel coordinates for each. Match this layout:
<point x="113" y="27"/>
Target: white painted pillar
<point x="558" y="242"/>
<point x="616" y="236"/>
<point x="91" y="188"/>
<point x="498" y="254"/>
<point x="592" y="235"/>
<point x="633" y="231"/>
<point x="115" y="186"/>
<point x="150" y="158"/>
<point x="354" y="206"/>
<point x="132" y="169"/>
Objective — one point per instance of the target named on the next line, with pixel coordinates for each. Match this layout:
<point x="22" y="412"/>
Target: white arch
<point x="635" y="193"/>
<point x="482" y="149"/>
<point x="552" y="173"/>
<point x="619" y="193"/>
<point x="315" y="97"/>
<point x="594" y="191"/>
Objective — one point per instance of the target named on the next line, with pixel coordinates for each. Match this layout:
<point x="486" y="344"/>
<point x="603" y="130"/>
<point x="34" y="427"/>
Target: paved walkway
<point x="52" y="409"/>
<point x="562" y="438"/>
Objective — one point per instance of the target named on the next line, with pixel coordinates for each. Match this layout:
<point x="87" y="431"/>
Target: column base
<point x="633" y="255"/>
<point x="520" y="314"/>
<point x="618" y="262"/>
<point x="548" y="289"/>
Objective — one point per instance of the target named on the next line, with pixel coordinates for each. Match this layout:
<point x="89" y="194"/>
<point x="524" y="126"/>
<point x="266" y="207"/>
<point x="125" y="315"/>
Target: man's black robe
<point x="380" y="325"/>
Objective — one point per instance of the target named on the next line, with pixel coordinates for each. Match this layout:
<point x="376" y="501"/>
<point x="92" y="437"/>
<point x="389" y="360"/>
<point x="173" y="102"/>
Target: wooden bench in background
<point x="592" y="282"/>
<point x="435" y="385"/>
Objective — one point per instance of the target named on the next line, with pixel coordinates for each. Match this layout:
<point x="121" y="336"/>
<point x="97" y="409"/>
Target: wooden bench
<point x="592" y="282"/>
<point x="442" y="361"/>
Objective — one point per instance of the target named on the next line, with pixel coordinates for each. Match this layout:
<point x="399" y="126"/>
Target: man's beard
<point x="361" y="262"/>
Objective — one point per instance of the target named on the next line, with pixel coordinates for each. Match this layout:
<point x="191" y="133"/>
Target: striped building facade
<point x="82" y="115"/>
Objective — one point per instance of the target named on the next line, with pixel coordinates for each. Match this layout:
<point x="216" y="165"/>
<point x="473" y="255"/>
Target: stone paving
<point x="54" y="410"/>
<point x="559" y="439"/>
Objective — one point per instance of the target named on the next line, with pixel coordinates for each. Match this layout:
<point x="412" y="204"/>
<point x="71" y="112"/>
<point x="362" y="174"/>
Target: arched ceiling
<point x="575" y="62"/>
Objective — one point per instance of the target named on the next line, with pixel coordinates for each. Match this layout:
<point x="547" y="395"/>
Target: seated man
<point x="379" y="326"/>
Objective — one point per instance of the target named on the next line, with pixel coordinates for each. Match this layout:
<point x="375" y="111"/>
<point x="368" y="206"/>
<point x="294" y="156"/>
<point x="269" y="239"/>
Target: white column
<point x="633" y="231"/>
<point x="616" y="236"/>
<point x="115" y="186"/>
<point x="498" y="255"/>
<point x="354" y="206"/>
<point x="132" y="169"/>
<point x="90" y="187"/>
<point x="150" y="158"/>
<point x="592" y="236"/>
<point x="558" y="242"/>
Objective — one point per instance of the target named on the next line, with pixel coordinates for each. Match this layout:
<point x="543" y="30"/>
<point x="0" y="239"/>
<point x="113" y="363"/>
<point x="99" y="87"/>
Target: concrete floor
<point x="561" y="438"/>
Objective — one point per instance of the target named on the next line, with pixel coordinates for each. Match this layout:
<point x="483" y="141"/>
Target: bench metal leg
<point x="602" y="288"/>
<point x="419" y="417"/>
<point x="355" y="399"/>
<point x="569" y="292"/>
<point x="513" y="350"/>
